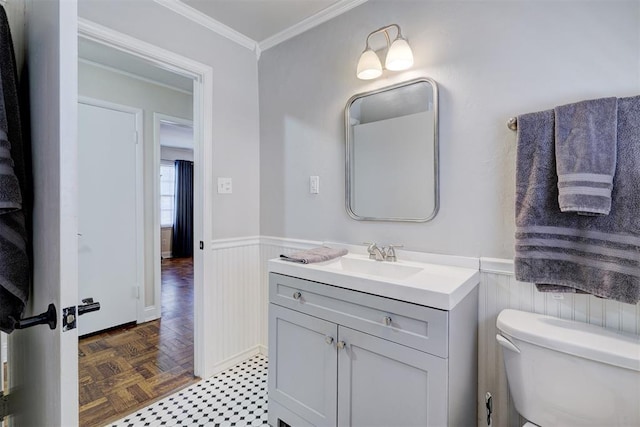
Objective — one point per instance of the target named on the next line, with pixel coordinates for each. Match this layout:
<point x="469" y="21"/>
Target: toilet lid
<point x="571" y="337"/>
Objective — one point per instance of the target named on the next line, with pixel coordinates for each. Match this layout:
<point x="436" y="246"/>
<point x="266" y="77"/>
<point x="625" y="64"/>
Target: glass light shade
<point x="399" y="56"/>
<point x="369" y="66"/>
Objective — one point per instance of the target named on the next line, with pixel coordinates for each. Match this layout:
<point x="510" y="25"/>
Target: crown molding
<point x="133" y="75"/>
<point x="209" y="23"/>
<point x="324" y="15"/>
<point x="221" y="29"/>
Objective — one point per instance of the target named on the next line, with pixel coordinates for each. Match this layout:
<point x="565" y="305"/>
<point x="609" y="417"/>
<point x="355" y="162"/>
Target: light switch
<point x="224" y="185"/>
<point x="314" y="184"/>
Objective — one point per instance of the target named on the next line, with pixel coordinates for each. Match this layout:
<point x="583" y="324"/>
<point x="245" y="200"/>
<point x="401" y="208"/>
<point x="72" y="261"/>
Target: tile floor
<point x="235" y="397"/>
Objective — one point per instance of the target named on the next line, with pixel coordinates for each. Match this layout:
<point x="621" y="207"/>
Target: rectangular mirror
<point x="392" y="153"/>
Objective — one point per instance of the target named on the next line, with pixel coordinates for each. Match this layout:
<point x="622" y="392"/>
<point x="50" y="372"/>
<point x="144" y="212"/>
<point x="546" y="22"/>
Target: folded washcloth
<point x="585" y="143"/>
<point x="595" y="254"/>
<point x="318" y="254"/>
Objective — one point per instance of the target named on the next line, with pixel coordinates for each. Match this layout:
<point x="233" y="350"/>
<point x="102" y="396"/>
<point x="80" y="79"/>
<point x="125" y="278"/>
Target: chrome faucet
<point x="375" y="252"/>
<point x="382" y="254"/>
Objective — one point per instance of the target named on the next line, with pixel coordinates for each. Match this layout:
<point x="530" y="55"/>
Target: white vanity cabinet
<point x="339" y="357"/>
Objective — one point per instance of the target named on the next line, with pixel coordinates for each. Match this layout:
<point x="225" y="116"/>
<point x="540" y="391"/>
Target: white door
<point x="108" y="246"/>
<point x="43" y="363"/>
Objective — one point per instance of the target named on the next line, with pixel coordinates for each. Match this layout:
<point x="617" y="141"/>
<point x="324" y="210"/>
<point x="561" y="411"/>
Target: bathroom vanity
<point x="356" y="342"/>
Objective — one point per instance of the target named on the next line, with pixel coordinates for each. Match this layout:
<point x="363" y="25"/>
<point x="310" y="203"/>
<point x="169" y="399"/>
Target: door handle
<point x="88" y="306"/>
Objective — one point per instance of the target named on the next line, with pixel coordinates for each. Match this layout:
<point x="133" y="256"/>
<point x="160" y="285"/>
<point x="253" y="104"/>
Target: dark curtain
<point x="182" y="245"/>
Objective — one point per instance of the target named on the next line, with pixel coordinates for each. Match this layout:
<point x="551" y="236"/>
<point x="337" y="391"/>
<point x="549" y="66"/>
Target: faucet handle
<point x="391" y="252"/>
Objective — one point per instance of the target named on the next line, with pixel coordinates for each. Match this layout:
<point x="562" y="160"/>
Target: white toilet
<point x="566" y="373"/>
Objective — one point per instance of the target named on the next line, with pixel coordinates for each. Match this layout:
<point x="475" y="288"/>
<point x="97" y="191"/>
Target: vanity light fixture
<point x="399" y="55"/>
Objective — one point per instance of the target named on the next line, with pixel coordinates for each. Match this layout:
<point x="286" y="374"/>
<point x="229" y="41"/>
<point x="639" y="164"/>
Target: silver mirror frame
<point x="348" y="144"/>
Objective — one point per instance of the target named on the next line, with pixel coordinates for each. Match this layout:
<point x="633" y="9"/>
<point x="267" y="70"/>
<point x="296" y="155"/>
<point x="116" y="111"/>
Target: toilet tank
<point x="567" y="373"/>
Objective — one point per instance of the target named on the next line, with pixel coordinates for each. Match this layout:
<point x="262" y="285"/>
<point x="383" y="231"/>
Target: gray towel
<point x="14" y="259"/>
<point x="318" y="254"/>
<point x="595" y="254"/>
<point x="585" y="141"/>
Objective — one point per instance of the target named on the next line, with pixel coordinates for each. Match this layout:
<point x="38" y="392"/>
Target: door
<point x="381" y="384"/>
<point x="44" y="363"/>
<point x="109" y="240"/>
<point x="302" y="376"/>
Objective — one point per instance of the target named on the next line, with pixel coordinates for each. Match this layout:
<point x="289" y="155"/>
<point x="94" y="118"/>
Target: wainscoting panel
<point x="500" y="290"/>
<point x="234" y="305"/>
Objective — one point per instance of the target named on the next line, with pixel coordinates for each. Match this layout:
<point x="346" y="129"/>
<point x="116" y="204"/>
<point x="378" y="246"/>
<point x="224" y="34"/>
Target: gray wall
<point x="491" y="59"/>
<point x="235" y="105"/>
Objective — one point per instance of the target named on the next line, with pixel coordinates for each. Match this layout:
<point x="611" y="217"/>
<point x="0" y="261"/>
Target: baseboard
<point x="151" y="313"/>
<point x="234" y="360"/>
<point x="166" y="254"/>
<point x="263" y="349"/>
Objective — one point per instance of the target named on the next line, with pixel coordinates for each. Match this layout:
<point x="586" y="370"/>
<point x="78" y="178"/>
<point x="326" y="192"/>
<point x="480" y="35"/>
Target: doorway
<point x="126" y="364"/>
<point x="174" y="260"/>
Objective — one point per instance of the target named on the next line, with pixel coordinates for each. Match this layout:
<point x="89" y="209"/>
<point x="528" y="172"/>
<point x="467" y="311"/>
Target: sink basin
<point x="390" y="270"/>
<point x="437" y="281"/>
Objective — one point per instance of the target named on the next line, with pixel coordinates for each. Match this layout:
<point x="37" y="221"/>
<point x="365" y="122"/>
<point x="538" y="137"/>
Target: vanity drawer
<point x="416" y="326"/>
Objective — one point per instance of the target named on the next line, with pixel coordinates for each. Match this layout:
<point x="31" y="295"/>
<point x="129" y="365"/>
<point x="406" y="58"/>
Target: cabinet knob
<point x="387" y="320"/>
<point x="328" y="340"/>
<point x="297" y="295"/>
<point x="341" y="345"/>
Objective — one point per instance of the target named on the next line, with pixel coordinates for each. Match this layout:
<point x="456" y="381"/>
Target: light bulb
<point x="369" y="66"/>
<point x="399" y="56"/>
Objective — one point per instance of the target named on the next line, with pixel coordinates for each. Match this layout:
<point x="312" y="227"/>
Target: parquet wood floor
<point x="125" y="369"/>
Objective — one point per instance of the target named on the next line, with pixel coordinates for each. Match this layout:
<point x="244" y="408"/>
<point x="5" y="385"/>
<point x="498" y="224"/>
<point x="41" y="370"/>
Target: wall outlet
<point x="224" y="186"/>
<point x="314" y="184"/>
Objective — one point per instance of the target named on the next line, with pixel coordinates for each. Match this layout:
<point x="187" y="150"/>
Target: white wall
<point x="235" y="105"/>
<point x="491" y="59"/>
<point x="100" y="83"/>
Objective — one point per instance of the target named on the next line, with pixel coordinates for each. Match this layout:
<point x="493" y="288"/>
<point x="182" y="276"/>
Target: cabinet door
<point x="302" y="365"/>
<point x="381" y="383"/>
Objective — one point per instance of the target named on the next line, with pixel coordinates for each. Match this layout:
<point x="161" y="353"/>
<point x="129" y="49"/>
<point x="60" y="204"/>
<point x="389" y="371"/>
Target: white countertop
<point x="439" y="285"/>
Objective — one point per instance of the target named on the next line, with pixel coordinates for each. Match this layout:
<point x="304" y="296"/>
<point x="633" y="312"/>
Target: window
<point x="167" y="193"/>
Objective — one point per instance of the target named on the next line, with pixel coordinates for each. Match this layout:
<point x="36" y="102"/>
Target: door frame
<point x="202" y="76"/>
<point x="138" y="113"/>
<point x="156" y="312"/>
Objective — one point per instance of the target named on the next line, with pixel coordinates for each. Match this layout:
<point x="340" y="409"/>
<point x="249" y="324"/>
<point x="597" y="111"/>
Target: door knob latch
<point x="69" y="318"/>
<point x="88" y="306"/>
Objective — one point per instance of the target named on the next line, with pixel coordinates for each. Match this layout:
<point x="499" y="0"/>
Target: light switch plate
<point x="224" y="185"/>
<point x="314" y="184"/>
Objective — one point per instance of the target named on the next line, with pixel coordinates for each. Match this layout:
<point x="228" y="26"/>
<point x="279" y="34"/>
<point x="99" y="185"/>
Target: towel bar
<point x="512" y="123"/>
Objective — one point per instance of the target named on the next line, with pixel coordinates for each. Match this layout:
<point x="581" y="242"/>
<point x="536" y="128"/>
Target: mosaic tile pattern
<point x="235" y="397"/>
